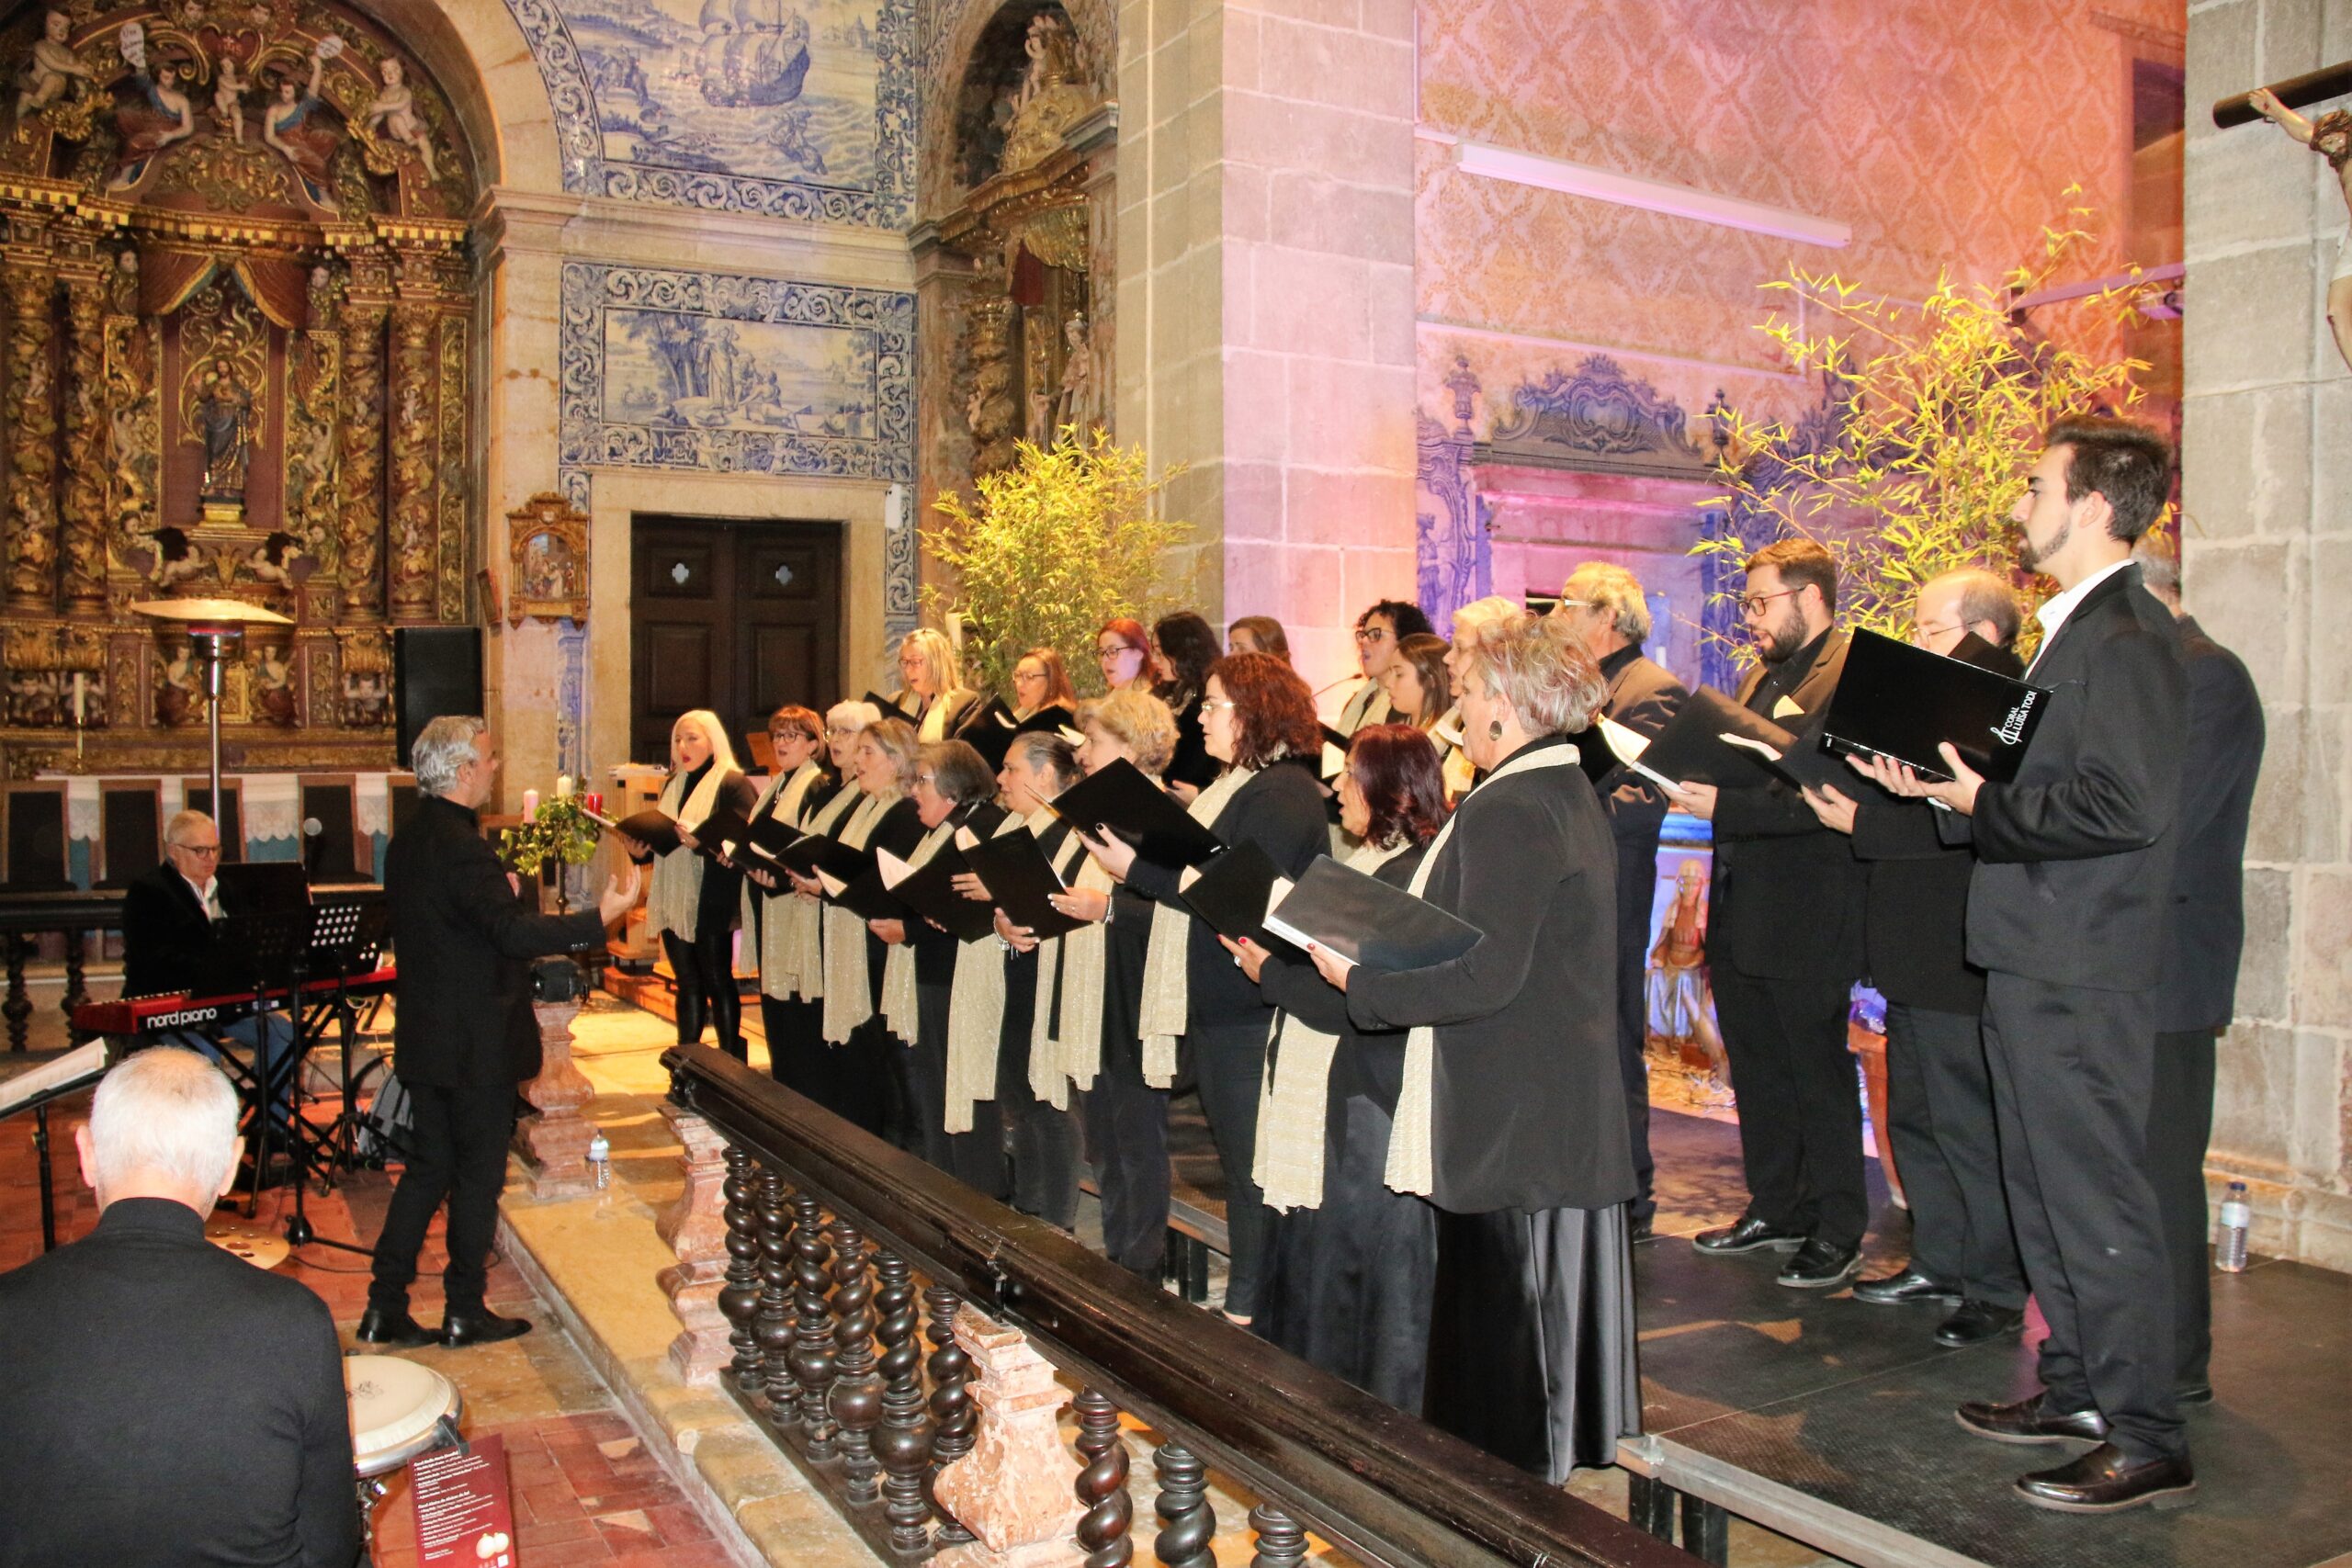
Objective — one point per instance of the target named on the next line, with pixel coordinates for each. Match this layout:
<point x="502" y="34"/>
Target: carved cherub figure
<point x="229" y="91"/>
<point x="2330" y="136"/>
<point x="50" y="68"/>
<point x="395" y="105"/>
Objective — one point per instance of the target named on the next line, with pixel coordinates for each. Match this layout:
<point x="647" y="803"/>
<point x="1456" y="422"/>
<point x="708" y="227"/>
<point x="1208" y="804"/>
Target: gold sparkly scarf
<point x="671" y="902"/>
<point x="849" y="996"/>
<point x="807" y="960"/>
<point x="1049" y="1080"/>
<point x="785" y="935"/>
<point x="898" y="968"/>
<point x="975" y="1008"/>
<point x="1074" y="1054"/>
<point x="1167" y="991"/>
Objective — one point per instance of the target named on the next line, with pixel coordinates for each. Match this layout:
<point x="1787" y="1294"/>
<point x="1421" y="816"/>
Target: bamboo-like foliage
<point x="1060" y="542"/>
<point x="1932" y="418"/>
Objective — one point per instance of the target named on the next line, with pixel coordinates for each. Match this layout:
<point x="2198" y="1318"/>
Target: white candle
<point x="530" y="804"/>
<point x="79" y="687"/>
<point x="564" y="786"/>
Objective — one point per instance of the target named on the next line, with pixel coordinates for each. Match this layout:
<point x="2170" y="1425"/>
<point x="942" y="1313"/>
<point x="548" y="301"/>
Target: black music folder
<point x="1364" y="920"/>
<point x="651" y="827"/>
<point x="1894" y="700"/>
<point x="889" y="707"/>
<point x="730" y="832"/>
<point x="929" y="890"/>
<point x="814" y="853"/>
<point x="1119" y="798"/>
<point x="1233" y="892"/>
<point x="1804" y="763"/>
<point x="863" y="895"/>
<point x="1691" y="749"/>
<point x="1014" y="868"/>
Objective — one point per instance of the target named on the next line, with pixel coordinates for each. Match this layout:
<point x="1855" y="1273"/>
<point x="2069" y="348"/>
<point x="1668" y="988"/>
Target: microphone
<point x="311" y="829"/>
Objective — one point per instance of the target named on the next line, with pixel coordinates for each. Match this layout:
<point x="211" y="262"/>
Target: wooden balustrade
<point x="836" y="1245"/>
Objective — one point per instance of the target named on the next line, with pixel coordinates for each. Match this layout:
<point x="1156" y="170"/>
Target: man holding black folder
<point x="2067" y="914"/>
<point x="1784" y="939"/>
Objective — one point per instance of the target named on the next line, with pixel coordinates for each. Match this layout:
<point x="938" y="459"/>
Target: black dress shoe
<point x="1747" y="1233"/>
<point x="2106" y="1481"/>
<point x="1821" y="1266"/>
<point x="383" y="1326"/>
<point x="2028" y="1421"/>
<point x="2193" y="1394"/>
<point x="1900" y="1290"/>
<point x="1976" y="1322"/>
<point x="1643" y="1228"/>
<point x="484" y="1327"/>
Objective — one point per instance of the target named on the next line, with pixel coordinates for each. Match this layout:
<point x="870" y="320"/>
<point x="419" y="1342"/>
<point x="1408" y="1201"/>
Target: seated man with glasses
<point x="171" y="921"/>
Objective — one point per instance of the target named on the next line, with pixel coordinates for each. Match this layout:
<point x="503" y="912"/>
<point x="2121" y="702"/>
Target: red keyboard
<point x="162" y="1014"/>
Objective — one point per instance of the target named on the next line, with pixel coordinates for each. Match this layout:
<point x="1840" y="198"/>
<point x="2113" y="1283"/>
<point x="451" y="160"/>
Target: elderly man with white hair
<point x="463" y="1035"/>
<point x="166" y="1403"/>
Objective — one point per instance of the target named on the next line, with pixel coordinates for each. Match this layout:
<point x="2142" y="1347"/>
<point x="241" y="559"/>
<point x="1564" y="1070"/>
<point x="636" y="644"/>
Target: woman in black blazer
<point x="886" y="770"/>
<point x="1521" y="1141"/>
<point x="779" y="925"/>
<point x="695" y="897"/>
<point x="1187" y="646"/>
<point x="1256" y="712"/>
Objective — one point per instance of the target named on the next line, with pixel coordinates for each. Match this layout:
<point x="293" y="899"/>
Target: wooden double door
<point x="736" y="617"/>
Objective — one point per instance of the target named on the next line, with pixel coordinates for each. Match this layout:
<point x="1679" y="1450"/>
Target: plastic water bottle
<point x="600" y="1165"/>
<point x="2229" y="1254"/>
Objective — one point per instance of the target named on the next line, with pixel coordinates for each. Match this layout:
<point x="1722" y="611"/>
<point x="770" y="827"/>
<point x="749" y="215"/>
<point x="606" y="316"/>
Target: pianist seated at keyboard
<point x="171" y="921"/>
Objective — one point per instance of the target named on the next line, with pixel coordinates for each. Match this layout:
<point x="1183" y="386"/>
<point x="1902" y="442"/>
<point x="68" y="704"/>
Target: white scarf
<point x="1292" y="1102"/>
<point x="899" y="1008"/>
<point x="1412" y="1145"/>
<point x="1057" y="1061"/>
<point x="1367" y="705"/>
<point x="975" y="1008"/>
<point x="933" y="726"/>
<point x="786" y="925"/>
<point x="849" y="995"/>
<point x="807" y="960"/>
<point x="672" y="901"/>
<point x="1167" y="991"/>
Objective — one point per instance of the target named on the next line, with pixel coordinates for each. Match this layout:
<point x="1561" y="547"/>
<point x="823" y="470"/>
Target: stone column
<point x="554" y="1144"/>
<point x="31" y="540"/>
<point x="362" y="532"/>
<point x="1014" y="1490"/>
<point x="695" y="1228"/>
<point x="82" y="502"/>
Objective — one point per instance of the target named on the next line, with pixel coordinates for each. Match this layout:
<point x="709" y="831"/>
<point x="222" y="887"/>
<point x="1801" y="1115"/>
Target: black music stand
<point x="38" y="1103"/>
<point x="339" y="939"/>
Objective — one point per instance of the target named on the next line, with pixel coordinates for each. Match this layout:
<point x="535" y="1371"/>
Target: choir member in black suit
<point x="951" y="788"/>
<point x="1940" y="1126"/>
<point x="166" y="1403"/>
<point x="1091" y="992"/>
<point x="1785" y="944"/>
<point x="781" y="924"/>
<point x="935" y="699"/>
<point x="1185" y="645"/>
<point x="842" y="1082"/>
<point x="1255" y="712"/>
<point x="2068" y="914"/>
<point x="1604" y="604"/>
<point x="2197" y="996"/>
<point x="463" y="1038"/>
<point x="695" y="898"/>
<point x="1351" y="1264"/>
<point x="1511" y="1117"/>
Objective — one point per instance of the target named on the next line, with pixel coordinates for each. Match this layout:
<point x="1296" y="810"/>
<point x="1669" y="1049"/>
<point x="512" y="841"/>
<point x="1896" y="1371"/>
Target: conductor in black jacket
<point x="167" y="1403"/>
<point x="1940" y="1122"/>
<point x="2197" y="994"/>
<point x="2067" y="915"/>
<point x="463" y="1035"/>
<point x="1784" y="937"/>
<point x="1605" y="605"/>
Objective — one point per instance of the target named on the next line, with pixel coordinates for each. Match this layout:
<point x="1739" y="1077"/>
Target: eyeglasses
<point x="1579" y="604"/>
<point x="929" y="781"/>
<point x="1921" y="628"/>
<point x="1753" y="603"/>
<point x="201" y="851"/>
<point x="1223" y="705"/>
<point x="1113" y="651"/>
<point x="1372" y="633"/>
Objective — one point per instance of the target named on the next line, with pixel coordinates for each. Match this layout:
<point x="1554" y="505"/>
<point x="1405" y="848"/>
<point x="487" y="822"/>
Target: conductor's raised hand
<point x="619" y="895"/>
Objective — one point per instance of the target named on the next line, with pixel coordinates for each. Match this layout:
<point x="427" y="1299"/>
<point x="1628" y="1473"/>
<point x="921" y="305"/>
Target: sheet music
<point x="84" y="1062"/>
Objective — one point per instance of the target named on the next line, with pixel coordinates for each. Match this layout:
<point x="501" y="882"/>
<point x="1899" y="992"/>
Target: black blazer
<point x="1915" y="905"/>
<point x="1370" y="1062"/>
<point x="2074" y="856"/>
<point x="1642" y="696"/>
<point x="168" y="1404"/>
<point x="1786" y="900"/>
<point x="1530" y="1103"/>
<point x="935" y="949"/>
<point x="168" y="943"/>
<point x="2217" y="777"/>
<point x="1280" y="810"/>
<point x="462" y="1008"/>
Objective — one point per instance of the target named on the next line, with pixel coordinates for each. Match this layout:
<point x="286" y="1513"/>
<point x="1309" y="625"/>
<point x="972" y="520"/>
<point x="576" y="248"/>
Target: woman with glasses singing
<point x="1041" y="680"/>
<point x="1257" y="712"/>
<point x="935" y="698"/>
<point x="1350" y="1269"/>
<point x="830" y="1085"/>
<point x="694" y="897"/>
<point x="1378" y="631"/>
<point x="1122" y="651"/>
<point x="784" y="925"/>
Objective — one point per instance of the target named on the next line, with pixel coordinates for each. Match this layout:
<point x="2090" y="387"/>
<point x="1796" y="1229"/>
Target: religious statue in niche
<point x="394" y="107"/>
<point x="51" y="68"/>
<point x="181" y="689"/>
<point x="2330" y="136"/>
<point x="294" y="127"/>
<point x="229" y="90"/>
<point x="1076" y="404"/>
<point x="271" y="686"/>
<point x="1050" y="100"/>
<point x="549" y="549"/>
<point x="223" y="417"/>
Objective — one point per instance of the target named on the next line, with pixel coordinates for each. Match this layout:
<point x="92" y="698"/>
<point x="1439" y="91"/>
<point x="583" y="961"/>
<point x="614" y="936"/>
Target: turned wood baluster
<point x="812" y="1340"/>
<point x="1102" y="1484"/>
<point x="740" y="1296"/>
<point x="955" y="1425"/>
<point x="19" y="1008"/>
<point x="772" y="1326"/>
<point x="1183" y="1508"/>
<point x="856" y="1396"/>
<point x="1281" y="1540"/>
<point x="902" y="1444"/>
<point x="76" y="991"/>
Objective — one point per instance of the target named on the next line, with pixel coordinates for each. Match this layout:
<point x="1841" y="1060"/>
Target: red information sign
<point x="464" y="1513"/>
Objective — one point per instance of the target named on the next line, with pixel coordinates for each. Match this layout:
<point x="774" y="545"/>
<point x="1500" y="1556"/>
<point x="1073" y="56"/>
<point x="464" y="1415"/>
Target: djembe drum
<point x="400" y="1410"/>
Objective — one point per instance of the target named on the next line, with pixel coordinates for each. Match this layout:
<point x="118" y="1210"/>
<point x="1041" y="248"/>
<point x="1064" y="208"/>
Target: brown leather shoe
<point x="2030" y="1421"/>
<point x="2105" y="1481"/>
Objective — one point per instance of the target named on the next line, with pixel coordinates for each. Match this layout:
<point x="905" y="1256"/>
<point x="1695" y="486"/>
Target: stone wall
<point x="2267" y="476"/>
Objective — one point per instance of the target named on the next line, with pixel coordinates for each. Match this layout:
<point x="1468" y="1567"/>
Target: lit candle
<point x="80" y="686"/>
<point x="596" y="801"/>
<point x="530" y="804"/>
<point x="564" y="786"/>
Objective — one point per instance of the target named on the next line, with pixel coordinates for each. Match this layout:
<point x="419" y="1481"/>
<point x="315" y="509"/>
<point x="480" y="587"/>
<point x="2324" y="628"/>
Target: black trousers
<point x="1045" y="1141"/>
<point x="974" y="1159"/>
<point x="1229" y="1068"/>
<point x="458" y="1151"/>
<point x="1939" y="1125"/>
<point x="2180" y="1121"/>
<point x="795" y="1045"/>
<point x="1126" y="1139"/>
<point x="2073" y="1072"/>
<point x="1800" y="1104"/>
<point x="706" y="972"/>
<point x="1636" y="890"/>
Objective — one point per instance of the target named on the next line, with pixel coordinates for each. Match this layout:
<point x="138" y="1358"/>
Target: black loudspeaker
<point x="436" y="670"/>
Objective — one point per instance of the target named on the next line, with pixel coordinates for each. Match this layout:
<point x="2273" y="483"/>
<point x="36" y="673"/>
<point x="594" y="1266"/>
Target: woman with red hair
<point x="1256" y="712"/>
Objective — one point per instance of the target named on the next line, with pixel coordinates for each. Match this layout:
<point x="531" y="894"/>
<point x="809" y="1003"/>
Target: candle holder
<point x="557" y="833"/>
